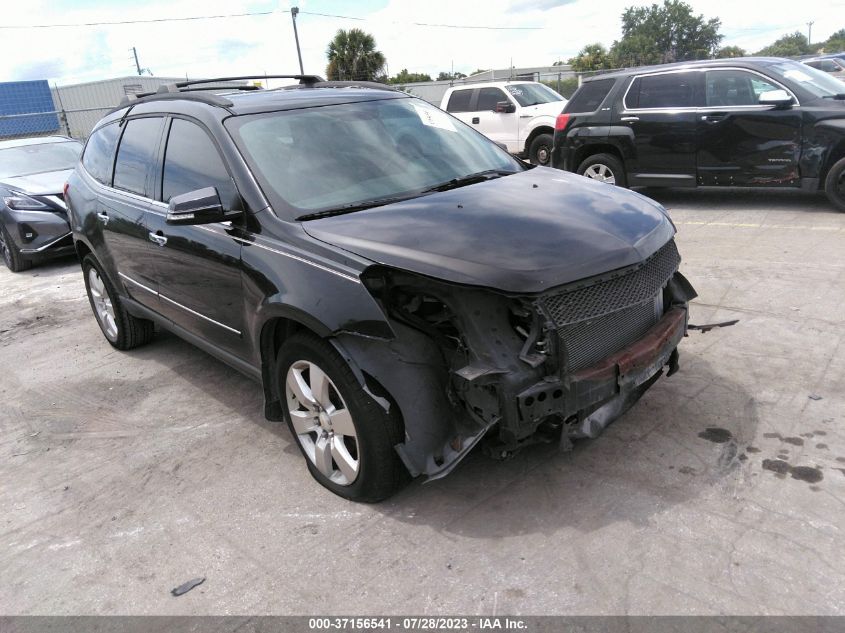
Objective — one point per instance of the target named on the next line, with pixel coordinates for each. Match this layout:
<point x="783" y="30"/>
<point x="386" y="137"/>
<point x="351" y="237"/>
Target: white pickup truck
<point x="518" y="114"/>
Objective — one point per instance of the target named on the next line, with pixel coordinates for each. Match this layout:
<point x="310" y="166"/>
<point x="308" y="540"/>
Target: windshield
<point x="816" y="82"/>
<point x="533" y="94"/>
<point x="315" y="159"/>
<point x="36" y="159"/>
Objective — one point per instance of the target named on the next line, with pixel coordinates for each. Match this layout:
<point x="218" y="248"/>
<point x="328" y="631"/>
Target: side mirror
<point x="777" y="98"/>
<point x="505" y="107"/>
<point x="202" y="206"/>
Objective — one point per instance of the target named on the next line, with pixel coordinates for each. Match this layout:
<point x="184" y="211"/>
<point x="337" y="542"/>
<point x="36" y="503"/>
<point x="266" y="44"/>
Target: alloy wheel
<point x="322" y="422"/>
<point x="103" y="307"/>
<point x="543" y="155"/>
<point x="4" y="249"/>
<point x="600" y="172"/>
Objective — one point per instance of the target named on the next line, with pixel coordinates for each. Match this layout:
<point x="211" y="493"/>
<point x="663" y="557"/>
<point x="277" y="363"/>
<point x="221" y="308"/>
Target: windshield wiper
<point x="469" y="179"/>
<point x="352" y="207"/>
<point x="840" y="96"/>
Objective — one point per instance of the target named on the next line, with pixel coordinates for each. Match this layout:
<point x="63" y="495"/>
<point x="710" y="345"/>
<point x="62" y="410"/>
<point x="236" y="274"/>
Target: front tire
<point x="604" y="168"/>
<point x="540" y="152"/>
<point x="122" y="330"/>
<point x="347" y="439"/>
<point x="11" y="254"/>
<point x="834" y="185"/>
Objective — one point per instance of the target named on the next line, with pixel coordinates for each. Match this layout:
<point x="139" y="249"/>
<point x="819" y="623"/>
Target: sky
<point x="539" y="32"/>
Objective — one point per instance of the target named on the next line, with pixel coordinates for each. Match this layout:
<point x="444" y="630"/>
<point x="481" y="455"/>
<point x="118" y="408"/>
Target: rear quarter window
<point x="670" y="90"/>
<point x="98" y="158"/>
<point x="589" y="96"/>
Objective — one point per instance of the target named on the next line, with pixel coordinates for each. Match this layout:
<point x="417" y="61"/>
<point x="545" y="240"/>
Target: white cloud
<point x="265" y="44"/>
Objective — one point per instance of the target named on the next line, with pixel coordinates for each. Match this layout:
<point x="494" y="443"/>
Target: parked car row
<point x="748" y="122"/>
<point x="401" y="298"/>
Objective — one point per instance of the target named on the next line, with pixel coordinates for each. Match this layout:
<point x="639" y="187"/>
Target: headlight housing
<point x="21" y="202"/>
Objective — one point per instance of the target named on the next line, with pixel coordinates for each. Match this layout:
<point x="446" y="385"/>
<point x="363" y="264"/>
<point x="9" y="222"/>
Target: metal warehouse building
<point x="85" y="104"/>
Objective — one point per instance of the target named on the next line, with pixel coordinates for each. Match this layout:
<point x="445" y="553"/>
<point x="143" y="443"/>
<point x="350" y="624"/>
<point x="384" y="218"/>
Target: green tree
<point x="835" y="43"/>
<point x="446" y="76"/>
<point x="591" y="57"/>
<point x="730" y="51"/>
<point x="353" y="56"/>
<point x="787" y="46"/>
<point x="665" y="33"/>
<point x="404" y="77"/>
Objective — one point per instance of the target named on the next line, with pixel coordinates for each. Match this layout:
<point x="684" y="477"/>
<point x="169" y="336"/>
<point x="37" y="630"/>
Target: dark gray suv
<point x="401" y="293"/>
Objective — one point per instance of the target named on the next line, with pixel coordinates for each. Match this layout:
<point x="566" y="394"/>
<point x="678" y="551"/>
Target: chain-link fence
<point x="76" y="123"/>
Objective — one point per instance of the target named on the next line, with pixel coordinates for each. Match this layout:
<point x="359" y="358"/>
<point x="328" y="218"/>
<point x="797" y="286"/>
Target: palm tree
<point x="353" y="56"/>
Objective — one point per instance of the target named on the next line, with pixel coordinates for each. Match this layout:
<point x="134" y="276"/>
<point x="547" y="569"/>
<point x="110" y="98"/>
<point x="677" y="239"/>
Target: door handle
<point x="475" y="120"/>
<point x="157" y="238"/>
<point x="629" y="119"/>
<point x="104" y="217"/>
<point x="713" y="118"/>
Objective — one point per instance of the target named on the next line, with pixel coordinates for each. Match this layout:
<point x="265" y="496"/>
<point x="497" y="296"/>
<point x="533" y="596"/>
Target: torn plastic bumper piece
<point x="601" y="393"/>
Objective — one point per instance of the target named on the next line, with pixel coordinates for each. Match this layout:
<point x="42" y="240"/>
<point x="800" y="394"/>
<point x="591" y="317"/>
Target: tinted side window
<point x="99" y="153"/>
<point x="488" y="98"/>
<point x="672" y="90"/>
<point x="589" y="96"/>
<point x="459" y="101"/>
<point x="192" y="162"/>
<point x="135" y="154"/>
<point x="735" y="88"/>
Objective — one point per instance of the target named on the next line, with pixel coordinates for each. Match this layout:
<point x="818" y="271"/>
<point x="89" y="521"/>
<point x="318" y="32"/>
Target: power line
<point x="262" y="13"/>
<point x="445" y="26"/>
<point x="150" y="21"/>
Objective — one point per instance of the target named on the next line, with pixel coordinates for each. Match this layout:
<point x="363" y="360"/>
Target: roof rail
<point x="182" y="87"/>
<point x="144" y="97"/>
<point x="303" y="79"/>
<point x="343" y="84"/>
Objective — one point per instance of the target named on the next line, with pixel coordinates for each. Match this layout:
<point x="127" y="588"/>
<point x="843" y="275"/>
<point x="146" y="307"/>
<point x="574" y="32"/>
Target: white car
<point x="517" y="114"/>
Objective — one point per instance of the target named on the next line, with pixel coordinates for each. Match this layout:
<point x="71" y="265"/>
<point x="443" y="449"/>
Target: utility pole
<point x="810" y="32"/>
<point x="140" y="70"/>
<point x="137" y="65"/>
<point x="293" y="12"/>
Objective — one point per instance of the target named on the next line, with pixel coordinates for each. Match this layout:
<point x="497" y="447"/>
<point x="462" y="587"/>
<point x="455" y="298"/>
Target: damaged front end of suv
<point x="468" y="363"/>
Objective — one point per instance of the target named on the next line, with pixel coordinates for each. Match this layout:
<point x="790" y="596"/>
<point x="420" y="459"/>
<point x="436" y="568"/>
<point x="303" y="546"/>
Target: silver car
<point x="835" y="66"/>
<point x="33" y="216"/>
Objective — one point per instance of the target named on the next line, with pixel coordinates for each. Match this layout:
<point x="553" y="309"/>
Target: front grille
<point x="601" y="317"/>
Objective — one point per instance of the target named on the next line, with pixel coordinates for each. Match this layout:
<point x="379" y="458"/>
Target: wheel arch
<point x="537" y="131"/>
<point x="836" y="153"/>
<point x="585" y="151"/>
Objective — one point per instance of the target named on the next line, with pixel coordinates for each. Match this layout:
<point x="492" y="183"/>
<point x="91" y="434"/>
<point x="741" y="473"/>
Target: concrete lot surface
<point x="122" y="475"/>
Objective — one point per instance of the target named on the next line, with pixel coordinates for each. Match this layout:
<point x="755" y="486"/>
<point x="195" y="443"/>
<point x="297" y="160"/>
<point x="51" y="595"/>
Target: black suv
<point x="746" y="122"/>
<point x="400" y="285"/>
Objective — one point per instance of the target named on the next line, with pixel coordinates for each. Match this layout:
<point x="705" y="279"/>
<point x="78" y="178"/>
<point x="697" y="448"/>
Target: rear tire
<point x="540" y="152"/>
<point x="122" y="330"/>
<point x="346" y="437"/>
<point x="834" y="185"/>
<point x="11" y="254"/>
<point x="604" y="168"/>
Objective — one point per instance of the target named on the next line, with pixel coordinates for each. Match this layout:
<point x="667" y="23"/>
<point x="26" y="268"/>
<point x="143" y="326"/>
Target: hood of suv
<point x="44" y="184"/>
<point x="522" y="233"/>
